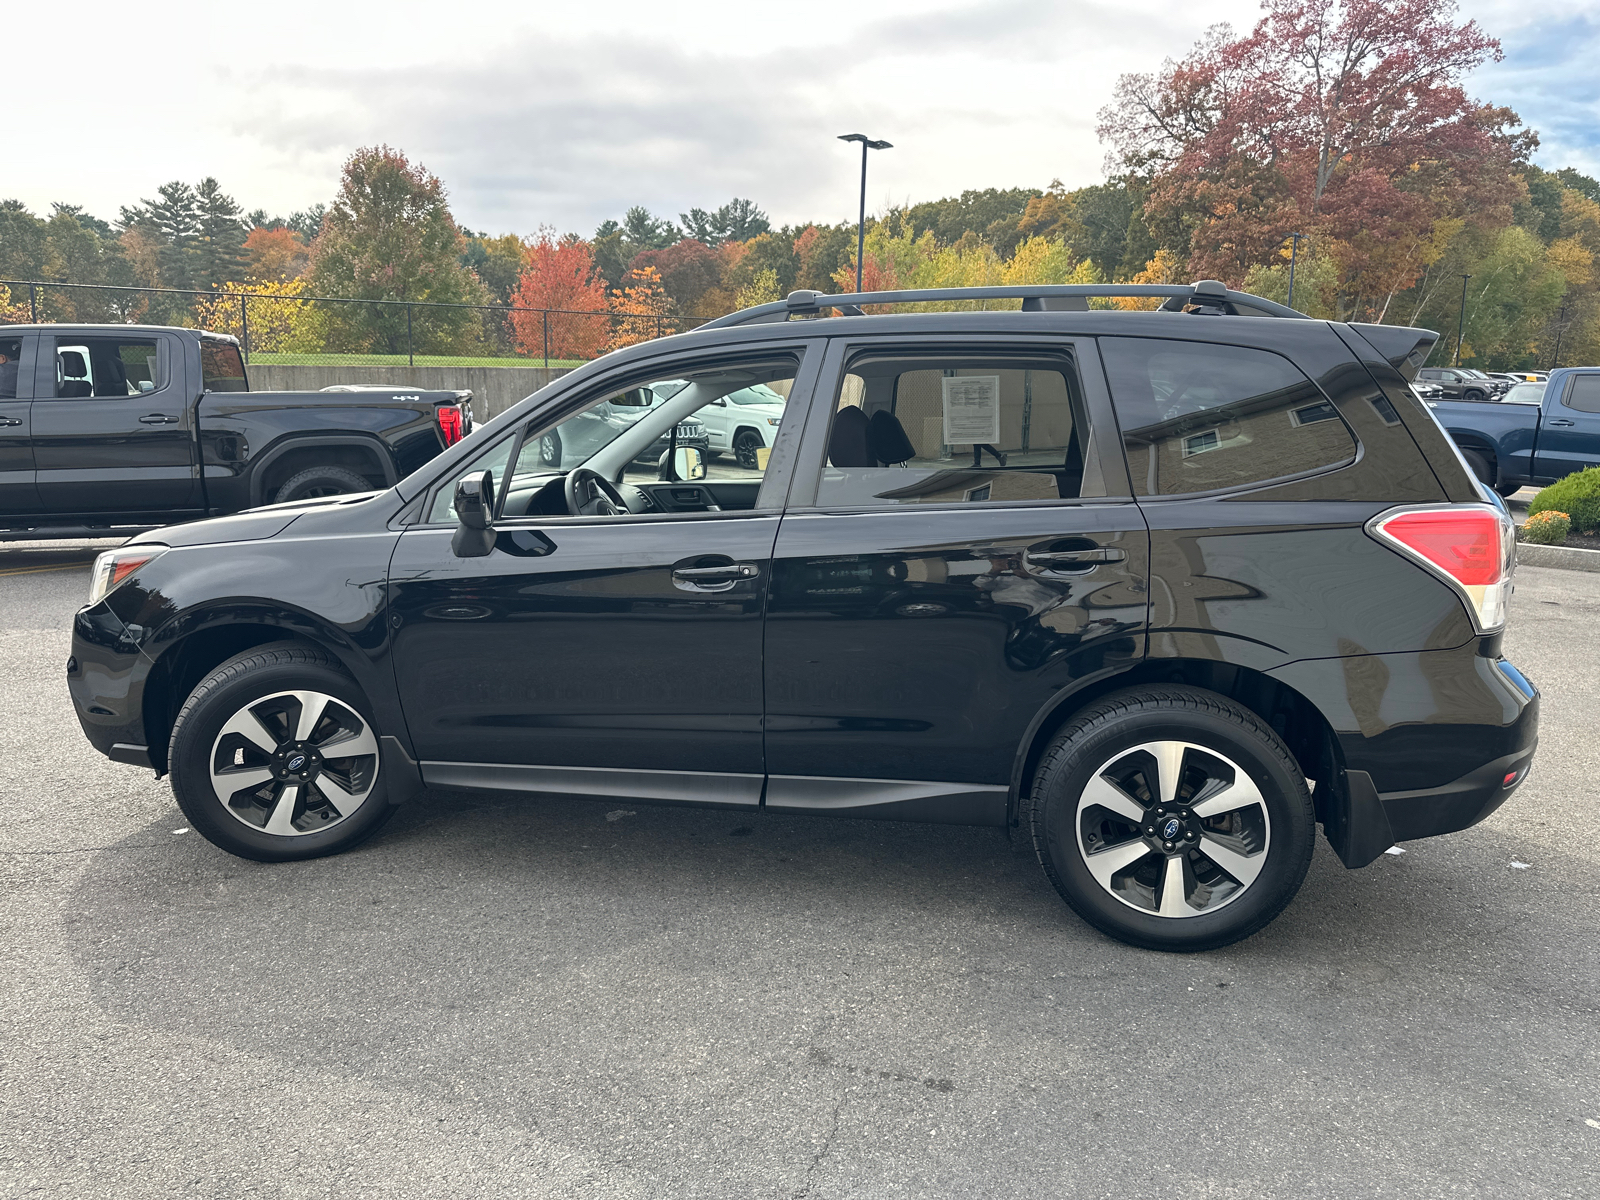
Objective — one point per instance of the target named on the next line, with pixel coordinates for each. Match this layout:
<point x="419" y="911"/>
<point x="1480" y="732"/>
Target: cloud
<point x="1547" y="78"/>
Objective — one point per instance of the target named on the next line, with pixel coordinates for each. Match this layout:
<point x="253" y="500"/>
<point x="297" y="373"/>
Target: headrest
<point x="887" y="439"/>
<point x="72" y="364"/>
<point x="848" y="444"/>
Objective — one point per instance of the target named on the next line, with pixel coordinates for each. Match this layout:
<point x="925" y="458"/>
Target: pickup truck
<point x="1537" y="434"/>
<point x="108" y="428"/>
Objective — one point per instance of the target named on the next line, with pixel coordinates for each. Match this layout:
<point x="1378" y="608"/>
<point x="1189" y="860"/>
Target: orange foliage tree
<point x="559" y="274"/>
<point x="274" y="255"/>
<point x="639" y="308"/>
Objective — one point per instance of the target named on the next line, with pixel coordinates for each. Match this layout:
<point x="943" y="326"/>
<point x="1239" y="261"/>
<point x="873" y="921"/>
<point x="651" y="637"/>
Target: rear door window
<point x="1198" y="417"/>
<point x="943" y="427"/>
<point x="102" y="367"/>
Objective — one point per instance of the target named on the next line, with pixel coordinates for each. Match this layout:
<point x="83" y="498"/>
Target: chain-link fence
<point x="281" y="325"/>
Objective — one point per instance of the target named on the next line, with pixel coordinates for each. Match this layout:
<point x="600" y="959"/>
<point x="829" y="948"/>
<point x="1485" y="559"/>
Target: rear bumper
<point x="1431" y="743"/>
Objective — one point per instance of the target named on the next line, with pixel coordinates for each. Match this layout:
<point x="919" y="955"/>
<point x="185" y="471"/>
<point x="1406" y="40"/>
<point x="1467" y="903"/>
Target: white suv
<point x="742" y="423"/>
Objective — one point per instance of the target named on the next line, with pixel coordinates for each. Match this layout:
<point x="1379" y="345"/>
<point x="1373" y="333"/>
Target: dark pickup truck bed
<point x="1511" y="443"/>
<point x="110" y="427"/>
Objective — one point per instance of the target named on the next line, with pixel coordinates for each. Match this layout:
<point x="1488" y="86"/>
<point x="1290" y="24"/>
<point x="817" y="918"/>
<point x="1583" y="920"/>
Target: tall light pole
<point x="1461" y="322"/>
<point x="1294" y="253"/>
<point x="861" y="225"/>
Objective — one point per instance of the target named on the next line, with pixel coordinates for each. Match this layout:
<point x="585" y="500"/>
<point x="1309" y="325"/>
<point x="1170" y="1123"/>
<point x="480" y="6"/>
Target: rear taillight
<point x="1472" y="547"/>
<point x="451" y="424"/>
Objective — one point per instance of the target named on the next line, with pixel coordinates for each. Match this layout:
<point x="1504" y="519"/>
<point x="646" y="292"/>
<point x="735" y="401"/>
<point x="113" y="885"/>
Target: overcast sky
<point x="568" y="113"/>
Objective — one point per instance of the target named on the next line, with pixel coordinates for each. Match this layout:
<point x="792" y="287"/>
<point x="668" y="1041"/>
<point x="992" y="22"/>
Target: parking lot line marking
<point x="41" y="570"/>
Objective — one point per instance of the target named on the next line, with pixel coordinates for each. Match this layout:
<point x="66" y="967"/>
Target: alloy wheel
<point x="294" y="763"/>
<point x="1173" y="829"/>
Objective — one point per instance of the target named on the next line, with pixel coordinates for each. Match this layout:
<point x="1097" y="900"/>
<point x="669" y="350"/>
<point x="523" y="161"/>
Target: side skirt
<point x="889" y="799"/>
<point x="658" y="787"/>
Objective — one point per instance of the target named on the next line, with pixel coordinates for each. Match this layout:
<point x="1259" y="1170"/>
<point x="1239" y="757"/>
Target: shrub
<point x="1578" y="494"/>
<point x="1547" y="528"/>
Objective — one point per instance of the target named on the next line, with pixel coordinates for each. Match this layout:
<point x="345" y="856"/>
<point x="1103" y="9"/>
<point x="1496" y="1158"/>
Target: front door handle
<point x="10" y="420"/>
<point x="718" y="578"/>
<point x="1560" y="422"/>
<point x="1066" y="560"/>
<point x="158" y="419"/>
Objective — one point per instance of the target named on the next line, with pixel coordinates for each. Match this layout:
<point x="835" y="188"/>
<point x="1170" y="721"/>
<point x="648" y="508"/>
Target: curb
<point x="1567" y="558"/>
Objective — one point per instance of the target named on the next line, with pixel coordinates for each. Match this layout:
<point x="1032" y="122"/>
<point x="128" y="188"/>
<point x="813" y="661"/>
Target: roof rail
<point x="1205" y="295"/>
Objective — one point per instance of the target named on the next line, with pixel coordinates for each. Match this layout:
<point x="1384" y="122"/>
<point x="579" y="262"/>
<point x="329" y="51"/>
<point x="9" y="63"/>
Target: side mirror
<point x="474" y="502"/>
<point x="687" y="465"/>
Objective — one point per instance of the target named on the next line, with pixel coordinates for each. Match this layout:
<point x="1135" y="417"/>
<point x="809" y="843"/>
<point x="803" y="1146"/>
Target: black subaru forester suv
<point x="1162" y="590"/>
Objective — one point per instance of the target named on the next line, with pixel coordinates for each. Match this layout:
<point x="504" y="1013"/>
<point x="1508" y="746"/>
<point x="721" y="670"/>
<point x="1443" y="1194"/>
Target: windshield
<point x="1525" y="393"/>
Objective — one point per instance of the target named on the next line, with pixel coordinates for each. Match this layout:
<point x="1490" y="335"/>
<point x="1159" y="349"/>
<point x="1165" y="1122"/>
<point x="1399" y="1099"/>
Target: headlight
<point x="774" y="420"/>
<point x="112" y="567"/>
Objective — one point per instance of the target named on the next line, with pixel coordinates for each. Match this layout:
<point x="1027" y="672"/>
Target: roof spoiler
<point x="1205" y="296"/>
<point x="1404" y="348"/>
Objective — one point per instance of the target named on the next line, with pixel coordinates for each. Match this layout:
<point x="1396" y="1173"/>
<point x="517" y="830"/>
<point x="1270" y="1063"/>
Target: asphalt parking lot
<point x="530" y="998"/>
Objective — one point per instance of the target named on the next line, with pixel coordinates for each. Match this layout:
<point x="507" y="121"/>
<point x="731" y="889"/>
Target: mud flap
<point x="1355" y="824"/>
<point x="402" y="775"/>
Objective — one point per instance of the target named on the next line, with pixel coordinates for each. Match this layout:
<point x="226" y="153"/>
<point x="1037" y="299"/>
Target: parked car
<point x="1160" y="591"/>
<point x="1461" y="383"/>
<point x="570" y="443"/>
<point x="1426" y="389"/>
<point x="1541" y="432"/>
<point x="744" y="423"/>
<point x="116" y="426"/>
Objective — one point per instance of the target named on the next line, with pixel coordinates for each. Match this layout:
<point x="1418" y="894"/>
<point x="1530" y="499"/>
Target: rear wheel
<point x="1480" y="466"/>
<point x="1508" y="490"/>
<point x="321" y="481"/>
<point x="1474" y="394"/>
<point x="274" y="757"/>
<point x="1172" y="818"/>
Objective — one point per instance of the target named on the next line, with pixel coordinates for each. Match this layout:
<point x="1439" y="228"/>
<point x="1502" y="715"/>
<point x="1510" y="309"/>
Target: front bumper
<point x="106" y="674"/>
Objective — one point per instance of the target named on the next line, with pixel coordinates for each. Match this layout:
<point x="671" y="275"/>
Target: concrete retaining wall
<point x="1568" y="558"/>
<point x="494" y="389"/>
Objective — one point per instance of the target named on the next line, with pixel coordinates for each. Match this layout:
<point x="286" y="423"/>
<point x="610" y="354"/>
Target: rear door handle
<point x="158" y="419"/>
<point x="10" y="420"/>
<point x="1560" y="422"/>
<point x="1058" y="560"/>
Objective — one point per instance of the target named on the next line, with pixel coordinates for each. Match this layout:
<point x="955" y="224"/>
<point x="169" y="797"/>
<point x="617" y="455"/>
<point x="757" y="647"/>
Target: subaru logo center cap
<point x="1168" y="831"/>
<point x="299" y="761"/>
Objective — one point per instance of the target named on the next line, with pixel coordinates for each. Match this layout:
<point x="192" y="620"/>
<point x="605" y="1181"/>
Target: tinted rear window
<point x="1583" y="393"/>
<point x="221" y="367"/>
<point x="1198" y="417"/>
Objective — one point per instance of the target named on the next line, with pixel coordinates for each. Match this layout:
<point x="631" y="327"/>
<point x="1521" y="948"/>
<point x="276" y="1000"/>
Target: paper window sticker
<point x="971" y="409"/>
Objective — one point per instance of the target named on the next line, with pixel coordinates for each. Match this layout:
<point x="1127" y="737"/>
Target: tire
<point x="550" y="449"/>
<point x="1473" y="394"/>
<point x="1480" y="466"/>
<point x="320" y="481"/>
<point x="1268" y="837"/>
<point x="1508" y="490"/>
<point x="745" y="444"/>
<point x="221" y="739"/>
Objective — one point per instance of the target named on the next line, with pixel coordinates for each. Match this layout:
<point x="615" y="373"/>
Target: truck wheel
<point x="745" y="444"/>
<point x="320" y="481"/>
<point x="1473" y="394"/>
<point x="550" y="449"/>
<point x="274" y="757"/>
<point x="1171" y="818"/>
<point x="1508" y="490"/>
<point x="1480" y="466"/>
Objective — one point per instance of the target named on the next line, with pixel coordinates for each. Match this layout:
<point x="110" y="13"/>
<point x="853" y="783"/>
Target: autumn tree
<point x="736" y="221"/>
<point x="639" y="309"/>
<point x="559" y="274"/>
<point x="1343" y="119"/>
<point x="274" y="255"/>
<point x="389" y="236"/>
<point x="688" y="270"/>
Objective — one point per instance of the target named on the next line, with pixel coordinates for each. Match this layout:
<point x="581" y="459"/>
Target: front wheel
<point x="550" y="449"/>
<point x="1474" y="394"/>
<point x="274" y="757"/>
<point x="1172" y="818"/>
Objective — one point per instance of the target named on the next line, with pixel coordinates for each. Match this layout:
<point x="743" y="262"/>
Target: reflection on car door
<point x="928" y="605"/>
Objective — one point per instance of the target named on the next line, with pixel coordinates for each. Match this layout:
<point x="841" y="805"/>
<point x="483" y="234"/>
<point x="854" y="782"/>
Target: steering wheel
<point x="591" y="494"/>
